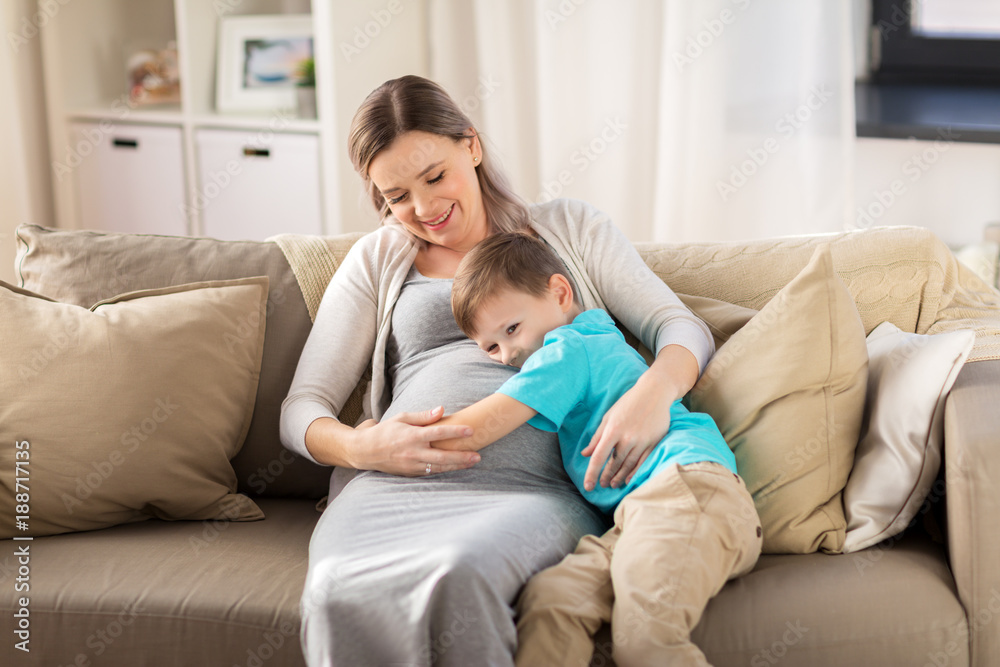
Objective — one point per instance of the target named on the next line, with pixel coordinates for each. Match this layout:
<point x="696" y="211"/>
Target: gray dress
<point x="423" y="571"/>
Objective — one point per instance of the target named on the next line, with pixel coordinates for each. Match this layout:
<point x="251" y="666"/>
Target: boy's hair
<point x="507" y="260"/>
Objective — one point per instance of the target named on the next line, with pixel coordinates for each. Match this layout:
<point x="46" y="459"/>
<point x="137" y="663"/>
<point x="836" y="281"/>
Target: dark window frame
<point x="901" y="56"/>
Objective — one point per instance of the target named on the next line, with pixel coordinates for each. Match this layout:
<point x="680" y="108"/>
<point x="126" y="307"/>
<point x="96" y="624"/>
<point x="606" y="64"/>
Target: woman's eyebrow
<point x="420" y="175"/>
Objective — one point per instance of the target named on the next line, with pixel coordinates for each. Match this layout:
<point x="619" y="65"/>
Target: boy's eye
<point x="436" y="179"/>
<point x="511" y="329"/>
<point x="491" y="349"/>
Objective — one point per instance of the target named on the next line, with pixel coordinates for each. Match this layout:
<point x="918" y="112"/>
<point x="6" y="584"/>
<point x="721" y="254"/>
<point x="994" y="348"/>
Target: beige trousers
<point x="677" y="539"/>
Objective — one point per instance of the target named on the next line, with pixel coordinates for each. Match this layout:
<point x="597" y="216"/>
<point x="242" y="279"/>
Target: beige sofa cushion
<point x="83" y="267"/>
<point x="129" y="410"/>
<point x="884" y="607"/>
<point x="787" y="391"/>
<point x="169" y="594"/>
<point x="723" y="319"/>
<point x="231" y="591"/>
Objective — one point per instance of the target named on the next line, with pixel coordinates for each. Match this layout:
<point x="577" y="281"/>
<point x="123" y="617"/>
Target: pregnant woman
<point x="419" y="558"/>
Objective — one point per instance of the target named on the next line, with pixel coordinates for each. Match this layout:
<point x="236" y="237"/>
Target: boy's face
<point x="512" y="325"/>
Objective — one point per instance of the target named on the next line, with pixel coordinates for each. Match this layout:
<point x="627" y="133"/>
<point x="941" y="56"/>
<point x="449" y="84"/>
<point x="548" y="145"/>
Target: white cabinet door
<point x="255" y="185"/>
<point x="129" y="178"/>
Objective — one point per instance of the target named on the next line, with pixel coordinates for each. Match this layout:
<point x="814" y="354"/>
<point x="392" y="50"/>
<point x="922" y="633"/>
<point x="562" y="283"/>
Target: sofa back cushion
<point x="901" y="275"/>
<point x="82" y="268"/>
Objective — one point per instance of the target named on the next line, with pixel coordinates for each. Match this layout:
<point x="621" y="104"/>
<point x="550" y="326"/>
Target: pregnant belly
<point x="459" y="374"/>
<point x="454" y="375"/>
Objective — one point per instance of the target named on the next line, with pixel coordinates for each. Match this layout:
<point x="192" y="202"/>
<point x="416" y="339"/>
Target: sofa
<point x="160" y="589"/>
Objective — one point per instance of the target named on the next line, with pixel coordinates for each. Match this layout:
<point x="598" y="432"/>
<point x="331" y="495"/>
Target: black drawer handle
<point x="125" y="143"/>
<point x="257" y="152"/>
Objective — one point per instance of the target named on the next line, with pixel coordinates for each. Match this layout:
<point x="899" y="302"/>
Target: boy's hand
<point x="627" y="434"/>
<point x="640" y="418"/>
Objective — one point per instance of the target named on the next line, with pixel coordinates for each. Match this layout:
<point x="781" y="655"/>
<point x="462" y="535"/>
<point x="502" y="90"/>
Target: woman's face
<point x="430" y="184"/>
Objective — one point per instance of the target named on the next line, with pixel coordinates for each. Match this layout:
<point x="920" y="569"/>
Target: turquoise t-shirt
<point x="580" y="371"/>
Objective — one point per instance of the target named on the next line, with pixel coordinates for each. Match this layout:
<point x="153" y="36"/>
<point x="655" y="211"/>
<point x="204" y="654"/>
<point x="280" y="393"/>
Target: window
<point x="973" y="19"/>
<point x="936" y="41"/>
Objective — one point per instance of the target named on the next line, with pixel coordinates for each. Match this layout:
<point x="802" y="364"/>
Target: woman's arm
<point x="333" y="359"/>
<point x="490" y="419"/>
<point x="647" y="307"/>
<point x="634" y="295"/>
<point x="401" y="445"/>
<point x="336" y="353"/>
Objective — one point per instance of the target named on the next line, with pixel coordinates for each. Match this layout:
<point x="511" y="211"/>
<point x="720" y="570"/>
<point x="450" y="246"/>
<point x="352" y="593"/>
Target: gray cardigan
<point x="353" y="322"/>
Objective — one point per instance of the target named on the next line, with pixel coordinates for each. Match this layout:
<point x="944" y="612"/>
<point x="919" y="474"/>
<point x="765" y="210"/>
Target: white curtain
<point x="25" y="181"/>
<point x="713" y="120"/>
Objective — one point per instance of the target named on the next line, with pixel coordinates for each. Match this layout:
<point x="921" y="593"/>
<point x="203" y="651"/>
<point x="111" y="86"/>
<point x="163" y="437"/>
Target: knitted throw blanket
<point x="314" y="260"/>
<point x="903" y="275"/>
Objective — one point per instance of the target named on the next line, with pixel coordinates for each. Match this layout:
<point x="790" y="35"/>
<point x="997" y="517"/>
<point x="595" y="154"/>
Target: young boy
<point x="684" y="523"/>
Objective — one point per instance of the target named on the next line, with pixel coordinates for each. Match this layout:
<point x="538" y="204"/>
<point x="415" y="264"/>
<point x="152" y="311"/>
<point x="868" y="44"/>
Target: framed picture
<point x="257" y="60"/>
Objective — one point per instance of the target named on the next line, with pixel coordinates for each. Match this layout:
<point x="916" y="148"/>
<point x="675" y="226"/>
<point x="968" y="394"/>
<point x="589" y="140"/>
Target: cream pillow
<point x="899" y="455"/>
<point x="787" y="391"/>
<point x="128" y="410"/>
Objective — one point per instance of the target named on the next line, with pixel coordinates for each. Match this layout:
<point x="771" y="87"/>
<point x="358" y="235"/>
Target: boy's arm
<point x="491" y="419"/>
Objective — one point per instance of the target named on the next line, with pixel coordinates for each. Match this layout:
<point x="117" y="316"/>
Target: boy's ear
<point x="560" y="286"/>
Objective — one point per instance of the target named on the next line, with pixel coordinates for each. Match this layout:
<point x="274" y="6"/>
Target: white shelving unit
<point x="85" y="45"/>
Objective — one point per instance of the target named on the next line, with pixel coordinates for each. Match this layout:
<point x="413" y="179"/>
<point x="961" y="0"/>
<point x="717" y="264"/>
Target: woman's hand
<point x="401" y="445"/>
<point x="639" y="420"/>
<point x="626" y="436"/>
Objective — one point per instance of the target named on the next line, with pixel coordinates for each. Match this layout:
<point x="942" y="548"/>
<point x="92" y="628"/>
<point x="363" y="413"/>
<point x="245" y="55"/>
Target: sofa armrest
<point x="972" y="478"/>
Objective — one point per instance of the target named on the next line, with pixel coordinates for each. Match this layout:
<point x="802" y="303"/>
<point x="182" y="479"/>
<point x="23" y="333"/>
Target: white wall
<point x="25" y="183"/>
<point x="949" y="187"/>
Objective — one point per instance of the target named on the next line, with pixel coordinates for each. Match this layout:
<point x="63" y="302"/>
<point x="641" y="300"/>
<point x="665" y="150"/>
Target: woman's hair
<point x="412" y="103"/>
<point x="515" y="261"/>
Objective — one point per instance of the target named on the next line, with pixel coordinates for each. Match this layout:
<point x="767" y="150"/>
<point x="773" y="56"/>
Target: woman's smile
<point x="441" y="220"/>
